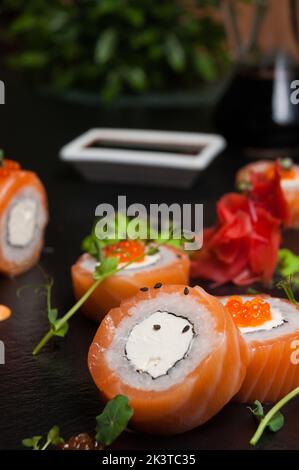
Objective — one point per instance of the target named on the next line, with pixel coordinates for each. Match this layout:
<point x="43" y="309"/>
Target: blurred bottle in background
<point x="256" y="111"/>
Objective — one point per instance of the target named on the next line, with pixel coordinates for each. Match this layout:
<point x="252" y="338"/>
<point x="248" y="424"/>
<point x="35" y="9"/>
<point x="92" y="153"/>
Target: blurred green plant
<point x="114" y="47"/>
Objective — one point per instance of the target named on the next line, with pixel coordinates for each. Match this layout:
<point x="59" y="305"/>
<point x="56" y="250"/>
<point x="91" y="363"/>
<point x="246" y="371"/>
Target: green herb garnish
<point x="107" y="268"/>
<point x="113" y="420"/>
<point x="109" y="425"/>
<point x="273" y="420"/>
<point x="53" y="438"/>
<point x="1" y="157"/>
<point x="288" y="263"/>
<point x="287" y="286"/>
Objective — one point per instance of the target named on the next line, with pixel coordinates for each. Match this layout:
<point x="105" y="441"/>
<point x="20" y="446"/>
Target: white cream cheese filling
<point x="90" y="263"/>
<point x="22" y="222"/>
<point x="157" y="343"/>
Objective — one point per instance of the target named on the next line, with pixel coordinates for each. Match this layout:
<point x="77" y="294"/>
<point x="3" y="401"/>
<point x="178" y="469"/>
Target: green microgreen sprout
<point x="110" y="423"/>
<point x="106" y="268"/>
<point x="286" y="285"/>
<point x="113" y="420"/>
<point x="53" y="438"/>
<point x="273" y="420"/>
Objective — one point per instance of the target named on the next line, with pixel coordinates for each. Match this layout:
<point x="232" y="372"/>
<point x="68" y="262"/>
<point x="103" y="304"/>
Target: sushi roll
<point x="23" y="217"/>
<point x="289" y="182"/>
<point x="270" y="327"/>
<point x="174" y="352"/>
<point x="168" y="265"/>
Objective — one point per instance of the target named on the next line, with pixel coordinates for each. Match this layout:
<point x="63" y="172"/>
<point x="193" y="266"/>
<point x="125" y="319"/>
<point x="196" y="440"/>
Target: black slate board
<point x="55" y="387"/>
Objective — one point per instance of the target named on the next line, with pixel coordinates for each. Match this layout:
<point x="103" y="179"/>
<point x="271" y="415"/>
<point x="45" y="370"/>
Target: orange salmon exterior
<point x="271" y="374"/>
<point x="10" y="185"/>
<point x="199" y="395"/>
<point x="116" y="288"/>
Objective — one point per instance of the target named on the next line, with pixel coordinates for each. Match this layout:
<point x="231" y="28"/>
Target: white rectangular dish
<point x="156" y="158"/>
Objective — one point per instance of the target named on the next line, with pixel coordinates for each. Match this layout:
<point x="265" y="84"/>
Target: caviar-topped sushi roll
<point x="270" y="327"/>
<point x="23" y="217"/>
<point x="174" y="352"/>
<point x="289" y="173"/>
<point x="167" y="265"/>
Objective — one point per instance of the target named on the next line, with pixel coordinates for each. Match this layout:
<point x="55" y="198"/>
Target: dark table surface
<point x="55" y="387"/>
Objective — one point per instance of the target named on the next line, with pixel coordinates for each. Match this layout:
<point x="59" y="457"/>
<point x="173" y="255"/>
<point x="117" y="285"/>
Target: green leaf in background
<point x="175" y="53"/>
<point x="86" y="46"/>
<point x="29" y="59"/>
<point x="205" y="66"/>
<point x="288" y="263"/>
<point x="135" y="77"/>
<point x="113" y="420"/>
<point x="105" y="46"/>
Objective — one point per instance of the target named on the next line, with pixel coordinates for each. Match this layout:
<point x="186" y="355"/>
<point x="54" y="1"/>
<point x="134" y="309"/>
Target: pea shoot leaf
<point x="274" y="424"/>
<point x="288" y="263"/>
<point x="113" y="420"/>
<point x="108" y="265"/>
<point x="277" y="422"/>
<point x="54" y="436"/>
<point x="258" y="410"/>
<point x="52" y="317"/>
<point x="32" y="442"/>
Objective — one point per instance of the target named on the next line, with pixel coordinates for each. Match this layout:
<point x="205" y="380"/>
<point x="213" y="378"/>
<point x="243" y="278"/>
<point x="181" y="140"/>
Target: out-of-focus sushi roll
<point x="289" y="182"/>
<point x="174" y="352"/>
<point x="168" y="265"/>
<point x="23" y="217"/>
<point x="269" y="326"/>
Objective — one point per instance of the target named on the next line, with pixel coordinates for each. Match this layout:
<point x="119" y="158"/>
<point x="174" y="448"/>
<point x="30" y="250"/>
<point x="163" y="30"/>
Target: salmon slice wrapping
<point x="273" y="369"/>
<point x="174" y="352"/>
<point x="23" y="217"/>
<point x="171" y="267"/>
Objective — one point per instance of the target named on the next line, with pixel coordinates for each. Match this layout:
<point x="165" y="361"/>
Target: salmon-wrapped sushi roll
<point x="289" y="182"/>
<point x="23" y="217"/>
<point x="168" y="265"/>
<point x="270" y="327"/>
<point x="174" y="352"/>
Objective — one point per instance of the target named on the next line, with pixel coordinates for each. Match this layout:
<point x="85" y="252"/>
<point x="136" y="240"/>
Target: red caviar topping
<point x="8" y="167"/>
<point x="246" y="313"/>
<point x="125" y="250"/>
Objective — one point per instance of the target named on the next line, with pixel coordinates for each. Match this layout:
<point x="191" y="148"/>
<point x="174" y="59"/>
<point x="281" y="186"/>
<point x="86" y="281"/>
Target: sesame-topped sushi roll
<point x="270" y="327"/>
<point x="168" y="265"/>
<point x="289" y="173"/>
<point x="23" y="217"/>
<point x="174" y="352"/>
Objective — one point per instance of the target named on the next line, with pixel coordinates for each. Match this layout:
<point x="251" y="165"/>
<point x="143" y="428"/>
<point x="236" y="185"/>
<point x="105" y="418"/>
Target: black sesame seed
<point x="157" y="327"/>
<point x="158" y="285"/>
<point x="144" y="289"/>
<point x="185" y="329"/>
<point x="186" y="291"/>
